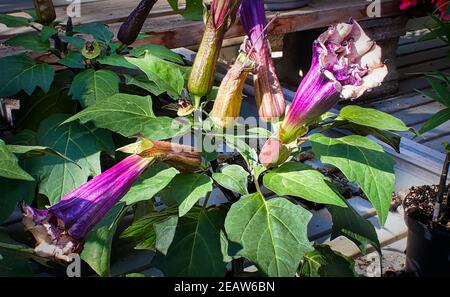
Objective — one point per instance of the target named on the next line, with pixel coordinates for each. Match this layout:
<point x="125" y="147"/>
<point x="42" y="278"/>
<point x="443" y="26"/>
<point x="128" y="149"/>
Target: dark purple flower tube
<point x="268" y="93"/>
<point x="59" y="230"/>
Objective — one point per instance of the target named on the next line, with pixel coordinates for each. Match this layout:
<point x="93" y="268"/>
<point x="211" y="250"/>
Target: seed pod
<point x="129" y="31"/>
<point x="45" y="11"/>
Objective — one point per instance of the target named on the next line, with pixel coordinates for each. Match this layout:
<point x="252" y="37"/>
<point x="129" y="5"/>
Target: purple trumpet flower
<point x="346" y="63"/>
<point x="59" y="230"/>
<point x="268" y="94"/>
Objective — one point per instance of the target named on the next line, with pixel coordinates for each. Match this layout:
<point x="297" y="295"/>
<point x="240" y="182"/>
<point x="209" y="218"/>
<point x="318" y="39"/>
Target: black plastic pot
<point x="427" y="250"/>
<point x="284" y="4"/>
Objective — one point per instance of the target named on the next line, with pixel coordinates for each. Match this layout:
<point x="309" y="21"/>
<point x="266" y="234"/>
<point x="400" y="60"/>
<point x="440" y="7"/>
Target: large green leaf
<point x="75" y="41"/>
<point x="116" y="60"/>
<point x="300" y="180"/>
<point x="9" y="165"/>
<point x="166" y="75"/>
<point x="98" y="30"/>
<point x="195" y="250"/>
<point x="73" y="60"/>
<point x="158" y="51"/>
<point x="97" y="248"/>
<point x="372" y="118"/>
<point x="142" y="82"/>
<point x="150" y="183"/>
<point x="273" y="234"/>
<point x="436" y="120"/>
<point x="13" y="192"/>
<point x="13" y="21"/>
<point x="185" y="190"/>
<point x="193" y="10"/>
<point x="234" y="178"/>
<point x="130" y="115"/>
<point x="30" y="151"/>
<point x="29" y="41"/>
<point x="363" y="161"/>
<point x="81" y="143"/>
<point x="24" y="74"/>
<point x="92" y="86"/>
<point x="324" y="262"/>
<point x="14" y="257"/>
<point x="347" y="222"/>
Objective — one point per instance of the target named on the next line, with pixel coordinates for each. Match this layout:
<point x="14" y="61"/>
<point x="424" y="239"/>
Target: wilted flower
<point x="274" y="153"/>
<point x="59" y="230"/>
<point x="268" y="94"/>
<point x="346" y="63"/>
<point x="227" y="105"/>
<point x="221" y="16"/>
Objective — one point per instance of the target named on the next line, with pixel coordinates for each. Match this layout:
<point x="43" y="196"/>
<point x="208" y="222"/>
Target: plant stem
<point x="442" y="188"/>
<point x="35" y="28"/>
<point x="206" y="199"/>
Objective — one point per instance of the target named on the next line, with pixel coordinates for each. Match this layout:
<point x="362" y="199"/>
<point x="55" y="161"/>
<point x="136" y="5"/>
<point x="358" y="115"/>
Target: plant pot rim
<point x="417" y="226"/>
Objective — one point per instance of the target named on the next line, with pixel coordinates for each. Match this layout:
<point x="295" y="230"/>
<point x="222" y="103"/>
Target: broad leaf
<point x="130" y="115"/>
<point x="362" y="161"/>
<point x="142" y="82"/>
<point x="73" y="60"/>
<point x="155" y="179"/>
<point x="436" y="120"/>
<point x="193" y="10"/>
<point x="166" y="75"/>
<point x="81" y="143"/>
<point x="98" y="30"/>
<point x="9" y="165"/>
<point x="75" y="41"/>
<point x="185" y="190"/>
<point x="30" y="151"/>
<point x="273" y="234"/>
<point x="195" y="250"/>
<point x="158" y="51"/>
<point x="300" y="180"/>
<point x="13" y="192"/>
<point x="248" y="153"/>
<point x="24" y="74"/>
<point x="234" y="178"/>
<point x="116" y="60"/>
<point x="97" y="248"/>
<point x="92" y="86"/>
<point x="372" y="118"/>
<point x="324" y="262"/>
<point x="347" y="222"/>
<point x="47" y="32"/>
<point x="13" y="21"/>
<point x="29" y="41"/>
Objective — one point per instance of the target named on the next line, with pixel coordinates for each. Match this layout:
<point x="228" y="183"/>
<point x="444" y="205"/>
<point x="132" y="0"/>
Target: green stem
<point x="197" y="101"/>
<point x="206" y="199"/>
<point x="442" y="187"/>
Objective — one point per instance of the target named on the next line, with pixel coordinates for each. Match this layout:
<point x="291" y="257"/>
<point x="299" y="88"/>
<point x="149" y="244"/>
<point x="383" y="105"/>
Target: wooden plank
<point x="422" y="56"/>
<point x="399" y="103"/>
<point x="414" y="46"/>
<point x="419" y="68"/>
<point x="419" y="114"/>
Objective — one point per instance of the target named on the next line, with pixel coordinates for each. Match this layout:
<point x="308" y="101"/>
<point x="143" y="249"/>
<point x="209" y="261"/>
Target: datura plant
<point x="98" y="154"/>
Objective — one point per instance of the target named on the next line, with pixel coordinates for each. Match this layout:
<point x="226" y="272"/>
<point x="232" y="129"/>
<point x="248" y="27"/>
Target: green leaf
<point x="142" y="82"/>
<point x="195" y="250"/>
<point x="47" y="32"/>
<point x="347" y="222"/>
<point x="92" y="86"/>
<point x="363" y="161"/>
<point x="97" y="248"/>
<point x="116" y="60"/>
<point x="73" y="60"/>
<point x="249" y="154"/>
<point x="9" y="165"/>
<point x="165" y="233"/>
<point x="13" y="192"/>
<point x="166" y="75"/>
<point x="75" y="41"/>
<point x="324" y="262"/>
<point x="24" y="74"/>
<point x="14" y="21"/>
<point x="31" y="151"/>
<point x="372" y="118"/>
<point x="273" y="234"/>
<point x="130" y="115"/>
<point x="435" y="121"/>
<point x="234" y="178"/>
<point x="29" y="41"/>
<point x="443" y="94"/>
<point x="81" y="143"/>
<point x="159" y="51"/>
<point x="185" y="190"/>
<point x="154" y="180"/>
<point x="387" y="137"/>
<point x="98" y="30"/>
<point x="300" y="180"/>
<point x="193" y="11"/>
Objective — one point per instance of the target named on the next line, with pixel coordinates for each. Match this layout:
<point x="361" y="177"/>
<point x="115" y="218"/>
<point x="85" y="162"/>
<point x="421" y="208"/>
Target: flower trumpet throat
<point x="346" y="63"/>
<point x="268" y="93"/>
<point x="60" y="230"/>
<point x="221" y="16"/>
<point x="45" y="11"/>
<point x="227" y="105"/>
